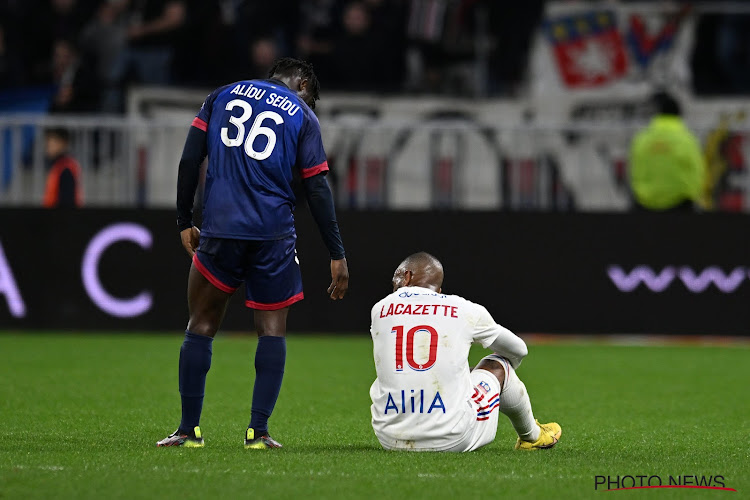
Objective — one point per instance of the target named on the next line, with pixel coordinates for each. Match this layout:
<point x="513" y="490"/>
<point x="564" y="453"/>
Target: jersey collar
<point x="426" y="290"/>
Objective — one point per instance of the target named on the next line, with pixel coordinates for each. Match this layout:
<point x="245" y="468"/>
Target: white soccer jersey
<point x="421" y="341"/>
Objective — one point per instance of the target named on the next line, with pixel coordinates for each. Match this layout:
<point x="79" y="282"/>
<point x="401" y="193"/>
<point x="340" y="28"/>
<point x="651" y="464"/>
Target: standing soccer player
<point x="254" y="133"/>
<point x="425" y="398"/>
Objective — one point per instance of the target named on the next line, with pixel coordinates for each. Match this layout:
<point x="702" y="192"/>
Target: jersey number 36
<point x="413" y="364"/>
<point x="255" y="130"/>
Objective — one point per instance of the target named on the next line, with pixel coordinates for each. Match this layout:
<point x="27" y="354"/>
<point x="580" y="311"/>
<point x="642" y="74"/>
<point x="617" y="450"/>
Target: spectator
<point x="52" y="21"/>
<point x="153" y="28"/>
<point x="63" y="189"/>
<point x="667" y="169"/>
<point x="263" y="52"/>
<point x="77" y="90"/>
<point x="320" y="25"/>
<point x="275" y="19"/>
<point x="357" y="58"/>
<point x="204" y="52"/>
<point x="425" y="29"/>
<point x="154" y="24"/>
<point x="103" y="39"/>
<point x="389" y="26"/>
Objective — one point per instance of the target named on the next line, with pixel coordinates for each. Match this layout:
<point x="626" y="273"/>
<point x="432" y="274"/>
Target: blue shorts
<point x="269" y="269"/>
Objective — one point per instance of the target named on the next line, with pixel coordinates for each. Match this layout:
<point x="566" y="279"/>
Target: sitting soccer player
<point x="425" y="398"/>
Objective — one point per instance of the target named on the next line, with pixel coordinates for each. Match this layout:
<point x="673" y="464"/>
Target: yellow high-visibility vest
<point x="666" y="164"/>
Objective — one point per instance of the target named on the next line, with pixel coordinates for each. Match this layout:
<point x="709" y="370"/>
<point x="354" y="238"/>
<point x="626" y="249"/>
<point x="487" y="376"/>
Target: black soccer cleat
<point x="263" y="442"/>
<point x="184" y="440"/>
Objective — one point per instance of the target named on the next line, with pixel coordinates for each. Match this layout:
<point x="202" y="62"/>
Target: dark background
<point x="534" y="273"/>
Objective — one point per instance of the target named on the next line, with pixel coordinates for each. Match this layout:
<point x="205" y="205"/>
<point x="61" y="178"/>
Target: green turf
<point x="79" y="416"/>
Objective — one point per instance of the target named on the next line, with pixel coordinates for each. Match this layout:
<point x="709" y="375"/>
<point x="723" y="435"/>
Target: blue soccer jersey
<point x="257" y="132"/>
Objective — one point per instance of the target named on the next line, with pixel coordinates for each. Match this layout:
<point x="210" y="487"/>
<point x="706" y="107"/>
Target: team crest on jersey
<point x="484" y="386"/>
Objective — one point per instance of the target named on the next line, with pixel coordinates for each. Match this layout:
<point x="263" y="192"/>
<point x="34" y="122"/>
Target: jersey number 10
<point x="420" y="367"/>
<point x="256" y="130"/>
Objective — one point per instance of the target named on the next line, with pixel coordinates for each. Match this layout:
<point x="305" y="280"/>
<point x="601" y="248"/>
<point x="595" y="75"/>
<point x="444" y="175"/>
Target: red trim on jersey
<point x="198" y="123"/>
<point x="487" y="410"/>
<point x="210" y="277"/>
<point x="482" y="408"/>
<point x="309" y="172"/>
<point x="276" y="305"/>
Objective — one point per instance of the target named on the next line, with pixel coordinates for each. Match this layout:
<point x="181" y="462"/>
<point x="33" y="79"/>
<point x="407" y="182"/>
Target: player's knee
<point x="493" y="366"/>
<point x="202" y="327"/>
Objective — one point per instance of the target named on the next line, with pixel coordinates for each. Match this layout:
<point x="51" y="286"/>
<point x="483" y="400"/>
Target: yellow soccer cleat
<point x="549" y="435"/>
<point x="263" y="442"/>
<point x="177" y="438"/>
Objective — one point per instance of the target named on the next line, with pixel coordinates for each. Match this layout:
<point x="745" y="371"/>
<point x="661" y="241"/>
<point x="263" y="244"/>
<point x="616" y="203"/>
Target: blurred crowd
<point x="90" y="51"/>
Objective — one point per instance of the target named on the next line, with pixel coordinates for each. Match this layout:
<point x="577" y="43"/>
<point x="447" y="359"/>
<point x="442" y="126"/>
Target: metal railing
<point x="117" y="157"/>
<point x="376" y="165"/>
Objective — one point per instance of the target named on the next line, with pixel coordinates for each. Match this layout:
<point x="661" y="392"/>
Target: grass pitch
<point x="79" y="417"/>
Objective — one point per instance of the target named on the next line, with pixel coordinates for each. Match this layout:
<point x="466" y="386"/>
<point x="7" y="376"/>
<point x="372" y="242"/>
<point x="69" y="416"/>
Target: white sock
<point x="515" y="404"/>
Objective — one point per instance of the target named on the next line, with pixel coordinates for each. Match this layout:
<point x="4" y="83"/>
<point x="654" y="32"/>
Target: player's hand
<point x="339" y="279"/>
<point x="190" y="238"/>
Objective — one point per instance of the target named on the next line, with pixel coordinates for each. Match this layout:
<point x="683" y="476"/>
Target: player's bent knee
<point x="494" y="366"/>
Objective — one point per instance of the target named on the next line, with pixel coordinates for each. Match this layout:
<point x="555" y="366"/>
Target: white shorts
<point x="482" y="423"/>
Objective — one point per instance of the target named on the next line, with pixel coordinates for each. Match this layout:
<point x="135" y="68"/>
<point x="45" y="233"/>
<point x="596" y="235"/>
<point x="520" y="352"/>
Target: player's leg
<point x="272" y="285"/>
<point x="270" y="360"/>
<point x="209" y="290"/>
<point x="207" y="305"/>
<point x="487" y="381"/>
<point x="516" y="405"/>
<point x="484" y="394"/>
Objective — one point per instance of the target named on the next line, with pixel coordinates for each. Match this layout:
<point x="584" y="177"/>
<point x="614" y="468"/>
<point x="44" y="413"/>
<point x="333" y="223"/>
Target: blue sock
<point x="270" y="357"/>
<point x="195" y="361"/>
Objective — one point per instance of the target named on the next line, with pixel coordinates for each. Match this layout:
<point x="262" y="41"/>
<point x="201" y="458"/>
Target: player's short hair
<point x="421" y="260"/>
<point x="289" y="66"/>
